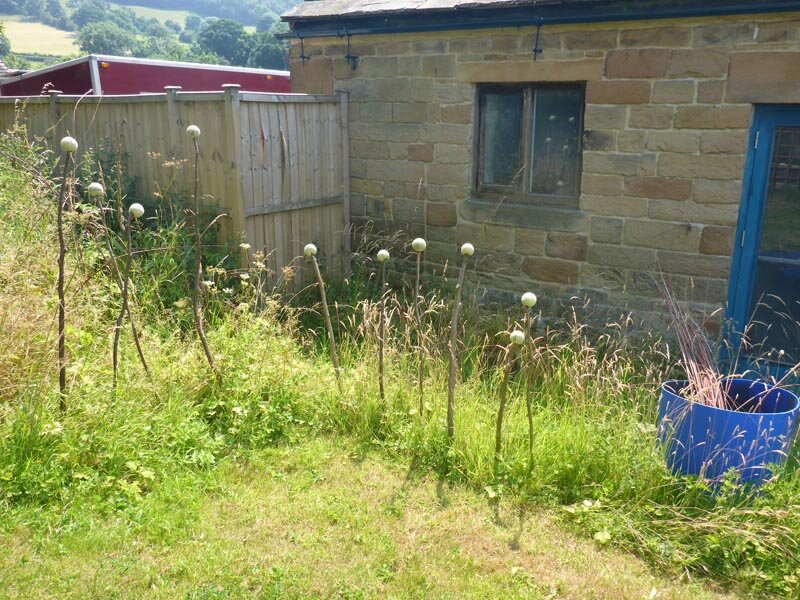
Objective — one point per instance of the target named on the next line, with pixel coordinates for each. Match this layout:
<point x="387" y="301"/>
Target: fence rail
<point x="276" y="164"/>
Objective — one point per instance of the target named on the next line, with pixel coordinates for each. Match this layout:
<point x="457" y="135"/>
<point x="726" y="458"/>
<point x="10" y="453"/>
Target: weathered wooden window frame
<point x="518" y="193"/>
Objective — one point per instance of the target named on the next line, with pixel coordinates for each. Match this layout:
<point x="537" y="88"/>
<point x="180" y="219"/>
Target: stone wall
<point x="668" y="110"/>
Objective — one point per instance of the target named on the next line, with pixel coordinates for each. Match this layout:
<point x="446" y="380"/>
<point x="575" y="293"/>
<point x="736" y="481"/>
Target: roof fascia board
<point x="496" y="17"/>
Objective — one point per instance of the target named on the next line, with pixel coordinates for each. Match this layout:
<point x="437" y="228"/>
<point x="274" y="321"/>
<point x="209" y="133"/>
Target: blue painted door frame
<point x="751" y="216"/>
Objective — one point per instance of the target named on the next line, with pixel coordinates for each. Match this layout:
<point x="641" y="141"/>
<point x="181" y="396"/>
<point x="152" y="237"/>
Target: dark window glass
<point x="500" y="140"/>
<point x="529" y="145"/>
<point x="555" y="145"/>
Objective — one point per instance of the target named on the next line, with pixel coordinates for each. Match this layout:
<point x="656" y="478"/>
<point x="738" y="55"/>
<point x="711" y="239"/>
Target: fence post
<point x="55" y="115"/>
<point x="344" y="98"/>
<point x="173" y="121"/>
<point x="236" y="202"/>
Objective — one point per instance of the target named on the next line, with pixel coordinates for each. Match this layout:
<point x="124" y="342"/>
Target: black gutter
<point x="522" y="16"/>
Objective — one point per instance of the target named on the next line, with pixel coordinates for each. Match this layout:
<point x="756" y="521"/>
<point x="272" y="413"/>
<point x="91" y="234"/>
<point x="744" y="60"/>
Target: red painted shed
<point x="112" y="75"/>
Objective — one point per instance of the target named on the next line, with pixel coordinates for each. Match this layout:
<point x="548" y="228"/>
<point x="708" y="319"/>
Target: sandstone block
<point x="637" y="63"/>
<point x="717" y="240"/>
<point x="314" y="77"/>
<point x="673" y="141"/>
<point x="724" y="34"/>
<point x="660" y="234"/>
<point x="703" y="166"/>
<point x="713" y="117"/>
<point x="778" y="31"/>
<point x="676" y="210"/>
<point x="763" y="77"/>
<point x="658" y="187"/>
<point x="446" y="133"/>
<point x="614" y="206"/>
<point x="570" y="246"/>
<point x="409" y="65"/>
<point x="717" y="192"/>
<point x="698" y="63"/>
<point x="528" y="70"/>
<point x="386" y="48"/>
<point x="607" y="185"/>
<point x="618" y="92"/>
<point x="452" y="154"/>
<point x="395" y="170"/>
<point x="398" y="150"/>
<point x="486" y="238"/>
<point x="406" y="210"/>
<point x="676" y="91"/>
<point x="590" y="40"/>
<point x="377" y="66"/>
<point x="372" y="112"/>
<point x="650" y="117"/>
<point x="551" y="269"/>
<point x="631" y="140"/>
<point x="656" y="37"/>
<point x="604" y="117"/>
<point x="438" y="66"/>
<point x="501" y="263"/>
<point x="710" y="92"/>
<point x="445" y="174"/>
<point x="366" y="186"/>
<point x="409" y="112"/>
<point x="529" y="242"/>
<point x="622" y="256"/>
<point x="445" y="235"/>
<point x="392" y="132"/>
<point x="724" y="142"/>
<point x="596" y="139"/>
<point x="610" y="163"/>
<point x="420" y="152"/>
<point x="441" y="215"/>
<point x="369" y="149"/>
<point x="457" y="113"/>
<point x="430" y="47"/>
<point x="693" y="264"/>
<point x="606" y="230"/>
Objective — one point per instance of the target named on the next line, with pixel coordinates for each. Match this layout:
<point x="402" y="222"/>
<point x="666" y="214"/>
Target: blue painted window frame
<point x="766" y="118"/>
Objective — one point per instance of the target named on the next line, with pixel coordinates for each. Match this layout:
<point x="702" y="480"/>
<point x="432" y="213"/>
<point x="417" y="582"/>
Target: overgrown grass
<point x="123" y="454"/>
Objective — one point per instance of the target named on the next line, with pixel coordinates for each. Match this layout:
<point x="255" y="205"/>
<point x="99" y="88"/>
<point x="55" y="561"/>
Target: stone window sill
<point x="529" y="216"/>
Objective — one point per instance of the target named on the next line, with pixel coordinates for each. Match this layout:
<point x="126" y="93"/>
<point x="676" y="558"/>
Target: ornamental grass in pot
<point x="710" y="423"/>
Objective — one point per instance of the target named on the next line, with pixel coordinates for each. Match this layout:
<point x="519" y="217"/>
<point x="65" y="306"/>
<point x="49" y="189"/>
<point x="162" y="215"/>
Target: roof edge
<point x="515" y="15"/>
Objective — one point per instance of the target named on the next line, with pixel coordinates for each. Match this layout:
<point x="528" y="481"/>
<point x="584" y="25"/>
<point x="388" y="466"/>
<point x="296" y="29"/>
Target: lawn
<point x="35" y="38"/>
<point x="269" y="475"/>
<point x="145" y="12"/>
<point x="320" y="519"/>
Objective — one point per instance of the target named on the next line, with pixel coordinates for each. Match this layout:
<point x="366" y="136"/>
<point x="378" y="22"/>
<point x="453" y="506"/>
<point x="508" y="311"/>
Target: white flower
<point x="467" y="249"/>
<point x="193" y="131"/>
<point x="310" y="250"/>
<point x="383" y="255"/>
<point x="244" y="276"/>
<point x="517" y="337"/>
<point x="69" y="144"/>
<point x="136" y="210"/>
<point x="529" y="299"/>
<point x="419" y="245"/>
<point x="208" y="283"/>
<point x="244" y="246"/>
<point x="95" y="189"/>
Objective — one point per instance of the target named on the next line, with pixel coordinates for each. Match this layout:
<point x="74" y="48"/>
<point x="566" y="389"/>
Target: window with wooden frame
<point x="528" y="144"/>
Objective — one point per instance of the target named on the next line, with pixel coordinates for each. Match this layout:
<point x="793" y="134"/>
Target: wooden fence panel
<point x="272" y="163"/>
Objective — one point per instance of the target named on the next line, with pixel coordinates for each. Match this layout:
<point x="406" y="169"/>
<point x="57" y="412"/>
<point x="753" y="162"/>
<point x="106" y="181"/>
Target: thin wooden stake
<point x="62" y="310"/>
<point x="328" y="325"/>
<point x="420" y="346"/>
<point x="382" y="331"/>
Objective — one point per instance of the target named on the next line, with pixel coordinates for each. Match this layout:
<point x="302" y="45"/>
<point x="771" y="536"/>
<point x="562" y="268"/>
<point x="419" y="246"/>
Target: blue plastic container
<point x="706" y="441"/>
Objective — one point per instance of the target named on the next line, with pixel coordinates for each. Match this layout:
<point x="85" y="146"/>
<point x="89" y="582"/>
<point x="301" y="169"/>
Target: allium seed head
<point x="193" y="131"/>
<point x="467" y="249"/>
<point x="95" y="190"/>
<point x="136" y="210"/>
<point x="310" y="250"/>
<point x="383" y="255"/>
<point x="517" y="337"/>
<point x="529" y="299"/>
<point x="419" y="245"/>
<point x="69" y="144"/>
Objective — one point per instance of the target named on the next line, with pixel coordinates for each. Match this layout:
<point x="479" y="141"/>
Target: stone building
<point x="581" y="145"/>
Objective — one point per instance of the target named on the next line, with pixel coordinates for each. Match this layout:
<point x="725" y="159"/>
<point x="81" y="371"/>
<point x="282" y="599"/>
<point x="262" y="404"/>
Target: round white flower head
<point x="95" y="190"/>
<point x="419" y="245"/>
<point x="467" y="249"/>
<point x="136" y="210"/>
<point x="529" y="299"/>
<point x="517" y="337"/>
<point x="69" y="144"/>
<point x="383" y="255"/>
<point x="193" y="131"/>
<point x="310" y="250"/>
<point x="244" y="246"/>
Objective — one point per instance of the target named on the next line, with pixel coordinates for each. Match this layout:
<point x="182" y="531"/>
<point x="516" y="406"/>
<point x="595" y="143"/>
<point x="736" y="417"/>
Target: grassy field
<point x="36" y="38"/>
<point x="145" y="12"/>
<point x="321" y="520"/>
